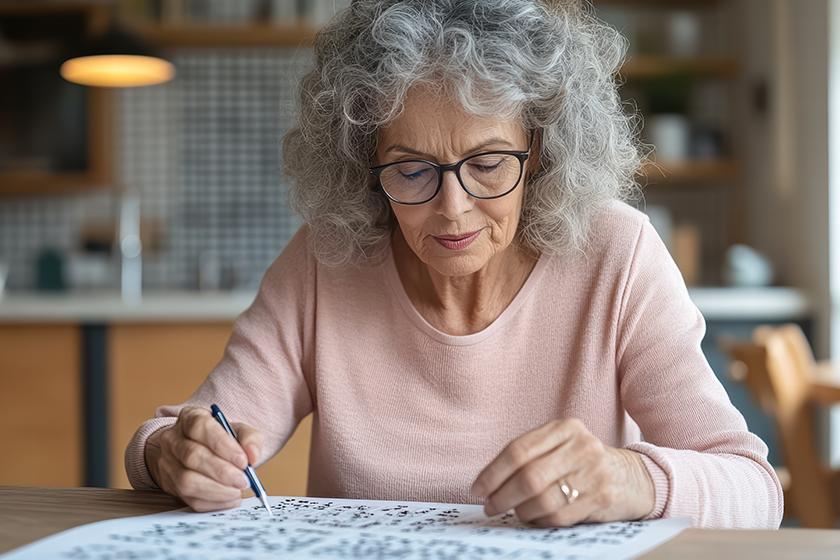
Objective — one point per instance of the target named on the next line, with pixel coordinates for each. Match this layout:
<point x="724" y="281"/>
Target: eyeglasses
<point x="485" y="176"/>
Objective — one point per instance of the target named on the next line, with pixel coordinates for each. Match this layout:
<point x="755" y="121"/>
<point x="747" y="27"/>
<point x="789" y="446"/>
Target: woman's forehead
<point x="430" y="119"/>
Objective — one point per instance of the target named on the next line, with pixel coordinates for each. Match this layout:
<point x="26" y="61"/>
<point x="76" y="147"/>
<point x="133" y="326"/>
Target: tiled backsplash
<point x="204" y="153"/>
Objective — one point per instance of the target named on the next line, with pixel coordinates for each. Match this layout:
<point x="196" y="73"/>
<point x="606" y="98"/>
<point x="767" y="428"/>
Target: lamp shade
<point x="117" y="59"/>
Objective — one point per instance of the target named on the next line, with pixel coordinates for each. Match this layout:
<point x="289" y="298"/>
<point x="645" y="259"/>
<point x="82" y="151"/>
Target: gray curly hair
<point x="551" y="66"/>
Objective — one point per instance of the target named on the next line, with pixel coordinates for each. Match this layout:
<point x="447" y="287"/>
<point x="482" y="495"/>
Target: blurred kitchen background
<point x="739" y="98"/>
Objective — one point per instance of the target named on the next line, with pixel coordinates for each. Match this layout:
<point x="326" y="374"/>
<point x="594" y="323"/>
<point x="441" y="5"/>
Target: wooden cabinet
<point x="42" y="400"/>
<point x="153" y="364"/>
<point x="40" y="405"/>
<point x="55" y="137"/>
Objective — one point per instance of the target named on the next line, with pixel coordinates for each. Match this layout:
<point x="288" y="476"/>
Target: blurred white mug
<point x="670" y="135"/>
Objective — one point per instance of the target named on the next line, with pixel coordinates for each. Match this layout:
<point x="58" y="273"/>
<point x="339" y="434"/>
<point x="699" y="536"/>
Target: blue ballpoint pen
<point x="256" y="485"/>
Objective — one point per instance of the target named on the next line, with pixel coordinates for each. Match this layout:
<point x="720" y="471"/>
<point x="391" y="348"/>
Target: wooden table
<point x="28" y="514"/>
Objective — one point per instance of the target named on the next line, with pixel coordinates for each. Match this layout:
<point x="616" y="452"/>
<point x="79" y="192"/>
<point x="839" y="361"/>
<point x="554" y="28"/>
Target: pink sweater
<point x="403" y="411"/>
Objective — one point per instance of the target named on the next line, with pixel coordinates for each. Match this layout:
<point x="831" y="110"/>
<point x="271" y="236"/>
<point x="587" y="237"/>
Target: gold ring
<point x="570" y="493"/>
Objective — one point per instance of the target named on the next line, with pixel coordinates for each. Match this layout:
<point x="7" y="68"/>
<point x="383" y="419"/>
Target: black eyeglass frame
<point x="455" y="167"/>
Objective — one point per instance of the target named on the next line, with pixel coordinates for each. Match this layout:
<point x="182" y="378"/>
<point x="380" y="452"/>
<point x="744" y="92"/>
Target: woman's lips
<point x="457" y="242"/>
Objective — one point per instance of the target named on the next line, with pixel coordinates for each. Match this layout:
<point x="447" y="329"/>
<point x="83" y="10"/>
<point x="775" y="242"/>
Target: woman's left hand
<point x="601" y="483"/>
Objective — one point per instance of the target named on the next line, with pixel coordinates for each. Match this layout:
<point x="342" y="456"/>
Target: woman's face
<point x="454" y="233"/>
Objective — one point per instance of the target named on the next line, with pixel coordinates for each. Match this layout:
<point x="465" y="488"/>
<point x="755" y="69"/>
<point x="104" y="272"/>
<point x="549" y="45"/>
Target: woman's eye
<point x="485" y="166"/>
<point x="414" y="175"/>
<point x="413" y="172"/>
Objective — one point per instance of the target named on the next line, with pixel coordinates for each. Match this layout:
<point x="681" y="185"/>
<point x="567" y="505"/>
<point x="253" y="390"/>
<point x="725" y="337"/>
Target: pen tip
<point x="264" y="501"/>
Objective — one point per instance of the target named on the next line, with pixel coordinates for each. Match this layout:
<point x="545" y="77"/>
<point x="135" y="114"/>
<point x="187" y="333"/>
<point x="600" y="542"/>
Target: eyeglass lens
<point x="484" y="176"/>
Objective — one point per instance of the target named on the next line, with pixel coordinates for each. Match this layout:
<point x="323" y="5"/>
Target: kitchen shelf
<point x="647" y="66"/>
<point x="260" y="34"/>
<point x="661" y="3"/>
<point x="692" y="171"/>
<point x="96" y="13"/>
<point x="687" y="61"/>
<point x="51" y="24"/>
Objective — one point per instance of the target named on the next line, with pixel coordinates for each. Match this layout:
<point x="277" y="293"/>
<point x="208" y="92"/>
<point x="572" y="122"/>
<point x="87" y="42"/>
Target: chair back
<point x="778" y="362"/>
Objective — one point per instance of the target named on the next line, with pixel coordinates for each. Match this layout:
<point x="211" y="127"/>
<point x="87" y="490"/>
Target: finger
<point x="550" y="508"/>
<point x="532" y="480"/>
<point x="521" y="451"/>
<point x="193" y="485"/>
<point x="250" y="439"/>
<point x="200" y="426"/>
<point x="581" y="453"/>
<point x="565" y="517"/>
<point x="196" y="457"/>
<point x="199" y="505"/>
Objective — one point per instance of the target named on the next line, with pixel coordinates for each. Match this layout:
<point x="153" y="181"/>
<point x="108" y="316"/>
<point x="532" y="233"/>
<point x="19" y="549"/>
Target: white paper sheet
<point x="332" y="528"/>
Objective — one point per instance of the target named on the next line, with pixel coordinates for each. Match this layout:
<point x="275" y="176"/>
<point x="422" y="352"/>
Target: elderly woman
<point x="470" y="313"/>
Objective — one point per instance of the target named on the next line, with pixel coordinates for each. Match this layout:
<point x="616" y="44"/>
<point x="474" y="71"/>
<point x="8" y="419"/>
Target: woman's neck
<point x="462" y="305"/>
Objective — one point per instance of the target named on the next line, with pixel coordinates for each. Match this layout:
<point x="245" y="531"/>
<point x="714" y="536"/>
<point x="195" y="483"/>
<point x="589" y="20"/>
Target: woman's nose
<point x="452" y="200"/>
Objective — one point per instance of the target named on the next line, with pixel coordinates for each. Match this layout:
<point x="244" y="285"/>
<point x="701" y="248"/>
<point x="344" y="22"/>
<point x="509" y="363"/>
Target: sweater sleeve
<point x="263" y="377"/>
<point x="704" y="462"/>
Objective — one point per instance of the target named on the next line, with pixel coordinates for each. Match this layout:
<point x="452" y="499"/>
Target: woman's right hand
<point x="196" y="461"/>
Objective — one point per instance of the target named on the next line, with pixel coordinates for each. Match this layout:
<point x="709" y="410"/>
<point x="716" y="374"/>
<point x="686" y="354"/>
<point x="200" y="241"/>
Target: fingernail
<point x="489" y="510"/>
<point x="241" y="461"/>
<point x="243" y="482"/>
<point x="477" y="489"/>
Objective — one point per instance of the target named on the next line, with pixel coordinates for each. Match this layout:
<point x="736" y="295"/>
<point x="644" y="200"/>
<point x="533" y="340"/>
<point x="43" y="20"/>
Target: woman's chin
<point x="455" y="263"/>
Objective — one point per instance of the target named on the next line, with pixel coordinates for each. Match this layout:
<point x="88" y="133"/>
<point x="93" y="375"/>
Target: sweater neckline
<point x="460" y="340"/>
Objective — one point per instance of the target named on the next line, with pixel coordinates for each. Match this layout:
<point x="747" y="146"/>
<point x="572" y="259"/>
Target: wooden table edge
<point x="28" y="514"/>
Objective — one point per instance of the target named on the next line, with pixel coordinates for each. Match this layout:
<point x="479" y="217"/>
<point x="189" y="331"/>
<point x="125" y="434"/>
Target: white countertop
<point x="108" y="307"/>
<point x="751" y="304"/>
<point x="747" y="304"/>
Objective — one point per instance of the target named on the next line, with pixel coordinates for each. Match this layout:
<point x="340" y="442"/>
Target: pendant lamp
<point x="117" y="59"/>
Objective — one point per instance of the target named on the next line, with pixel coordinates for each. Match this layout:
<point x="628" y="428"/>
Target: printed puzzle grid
<point x="346" y="529"/>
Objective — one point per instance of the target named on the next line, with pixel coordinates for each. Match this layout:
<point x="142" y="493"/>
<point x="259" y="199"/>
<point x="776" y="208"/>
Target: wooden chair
<point x="786" y="381"/>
